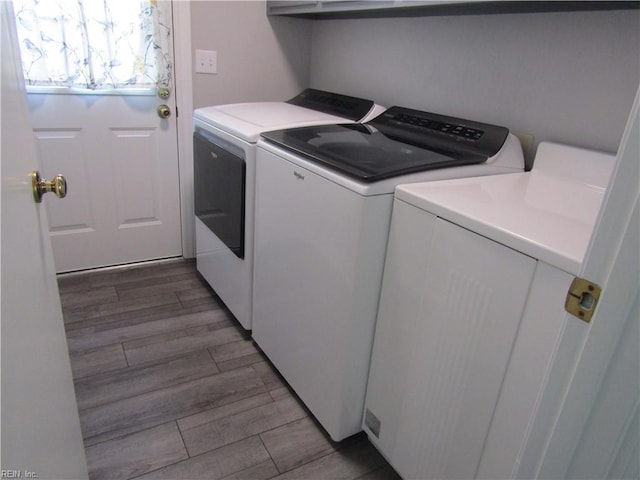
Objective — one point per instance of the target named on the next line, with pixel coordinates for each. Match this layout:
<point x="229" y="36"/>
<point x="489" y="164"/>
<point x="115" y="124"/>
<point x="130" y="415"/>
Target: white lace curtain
<point x="95" y="44"/>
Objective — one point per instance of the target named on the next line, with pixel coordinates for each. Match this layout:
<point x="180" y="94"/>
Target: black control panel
<point x="435" y="130"/>
<point x="444" y="127"/>
<point x="351" y="108"/>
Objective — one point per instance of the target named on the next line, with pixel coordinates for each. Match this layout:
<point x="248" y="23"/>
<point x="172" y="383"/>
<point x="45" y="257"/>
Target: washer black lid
<point x="351" y="108"/>
<point x="389" y="146"/>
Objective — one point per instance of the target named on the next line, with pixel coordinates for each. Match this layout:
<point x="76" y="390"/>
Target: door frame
<point x="184" y="104"/>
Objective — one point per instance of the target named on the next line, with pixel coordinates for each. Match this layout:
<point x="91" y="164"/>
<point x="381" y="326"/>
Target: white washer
<point x="225" y="139"/>
<point x="323" y="206"/>
<point x="472" y="305"/>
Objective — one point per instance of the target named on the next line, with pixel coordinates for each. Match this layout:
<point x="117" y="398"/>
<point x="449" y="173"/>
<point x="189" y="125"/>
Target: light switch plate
<point x="206" y="61"/>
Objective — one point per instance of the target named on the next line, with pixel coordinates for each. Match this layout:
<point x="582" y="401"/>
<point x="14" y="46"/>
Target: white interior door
<point x="40" y="425"/>
<point x="589" y="411"/>
<point x="120" y="159"/>
<point x="596" y="431"/>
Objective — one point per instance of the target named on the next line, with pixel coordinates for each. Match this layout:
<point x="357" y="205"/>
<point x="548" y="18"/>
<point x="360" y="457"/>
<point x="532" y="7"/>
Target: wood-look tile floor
<point x="169" y="386"/>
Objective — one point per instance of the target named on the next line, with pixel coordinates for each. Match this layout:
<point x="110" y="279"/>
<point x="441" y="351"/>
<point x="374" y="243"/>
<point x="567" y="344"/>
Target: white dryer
<point x="471" y="310"/>
<point x="225" y="139"/>
<point x="323" y="207"/>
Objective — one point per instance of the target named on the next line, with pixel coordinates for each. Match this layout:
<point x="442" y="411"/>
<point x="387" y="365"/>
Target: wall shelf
<point x="343" y="9"/>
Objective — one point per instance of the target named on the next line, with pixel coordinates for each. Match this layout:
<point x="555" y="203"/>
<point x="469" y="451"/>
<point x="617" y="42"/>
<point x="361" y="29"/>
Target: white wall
<point x="260" y="58"/>
<point x="566" y="77"/>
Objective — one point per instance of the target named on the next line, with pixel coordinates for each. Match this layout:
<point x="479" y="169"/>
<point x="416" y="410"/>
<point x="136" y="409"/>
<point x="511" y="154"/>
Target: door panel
<point x="54" y="147"/>
<point x="121" y="165"/>
<point x="134" y="186"/>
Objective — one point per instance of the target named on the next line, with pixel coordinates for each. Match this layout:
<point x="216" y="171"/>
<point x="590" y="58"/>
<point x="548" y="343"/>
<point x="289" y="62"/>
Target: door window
<point x="95" y="44"/>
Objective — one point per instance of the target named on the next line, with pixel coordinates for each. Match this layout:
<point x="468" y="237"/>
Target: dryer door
<point x="219" y="187"/>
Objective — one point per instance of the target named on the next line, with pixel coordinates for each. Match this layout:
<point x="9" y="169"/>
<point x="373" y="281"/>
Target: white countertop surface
<point x="548" y="213"/>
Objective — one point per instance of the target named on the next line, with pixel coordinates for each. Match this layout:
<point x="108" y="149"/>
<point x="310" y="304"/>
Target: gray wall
<point x="260" y="58"/>
<point x="565" y="77"/>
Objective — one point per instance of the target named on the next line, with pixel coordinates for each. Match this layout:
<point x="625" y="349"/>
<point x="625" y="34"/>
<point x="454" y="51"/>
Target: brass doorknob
<point x="57" y="185"/>
<point x="164" y="111"/>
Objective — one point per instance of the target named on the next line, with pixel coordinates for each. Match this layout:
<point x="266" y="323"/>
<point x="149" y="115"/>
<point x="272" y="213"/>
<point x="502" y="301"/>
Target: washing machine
<point x="471" y="312"/>
<point x="323" y="206"/>
<point x="225" y="139"/>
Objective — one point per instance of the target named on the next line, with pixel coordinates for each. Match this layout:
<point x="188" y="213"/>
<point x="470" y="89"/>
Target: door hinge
<point x="582" y="299"/>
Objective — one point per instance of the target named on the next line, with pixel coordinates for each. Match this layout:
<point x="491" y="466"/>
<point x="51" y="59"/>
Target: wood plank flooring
<point x="169" y="386"/>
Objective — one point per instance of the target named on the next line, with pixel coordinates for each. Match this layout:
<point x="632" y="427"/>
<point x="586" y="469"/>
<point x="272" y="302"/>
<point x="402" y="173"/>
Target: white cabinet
<point x="471" y="322"/>
<point x="450" y="309"/>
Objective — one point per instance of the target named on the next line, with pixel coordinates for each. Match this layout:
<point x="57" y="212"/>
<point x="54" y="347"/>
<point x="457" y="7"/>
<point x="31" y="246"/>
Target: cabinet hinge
<point x="582" y="299"/>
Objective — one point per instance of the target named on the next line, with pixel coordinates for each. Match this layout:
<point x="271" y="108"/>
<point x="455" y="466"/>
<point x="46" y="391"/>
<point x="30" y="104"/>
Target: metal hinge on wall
<point x="582" y="299"/>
